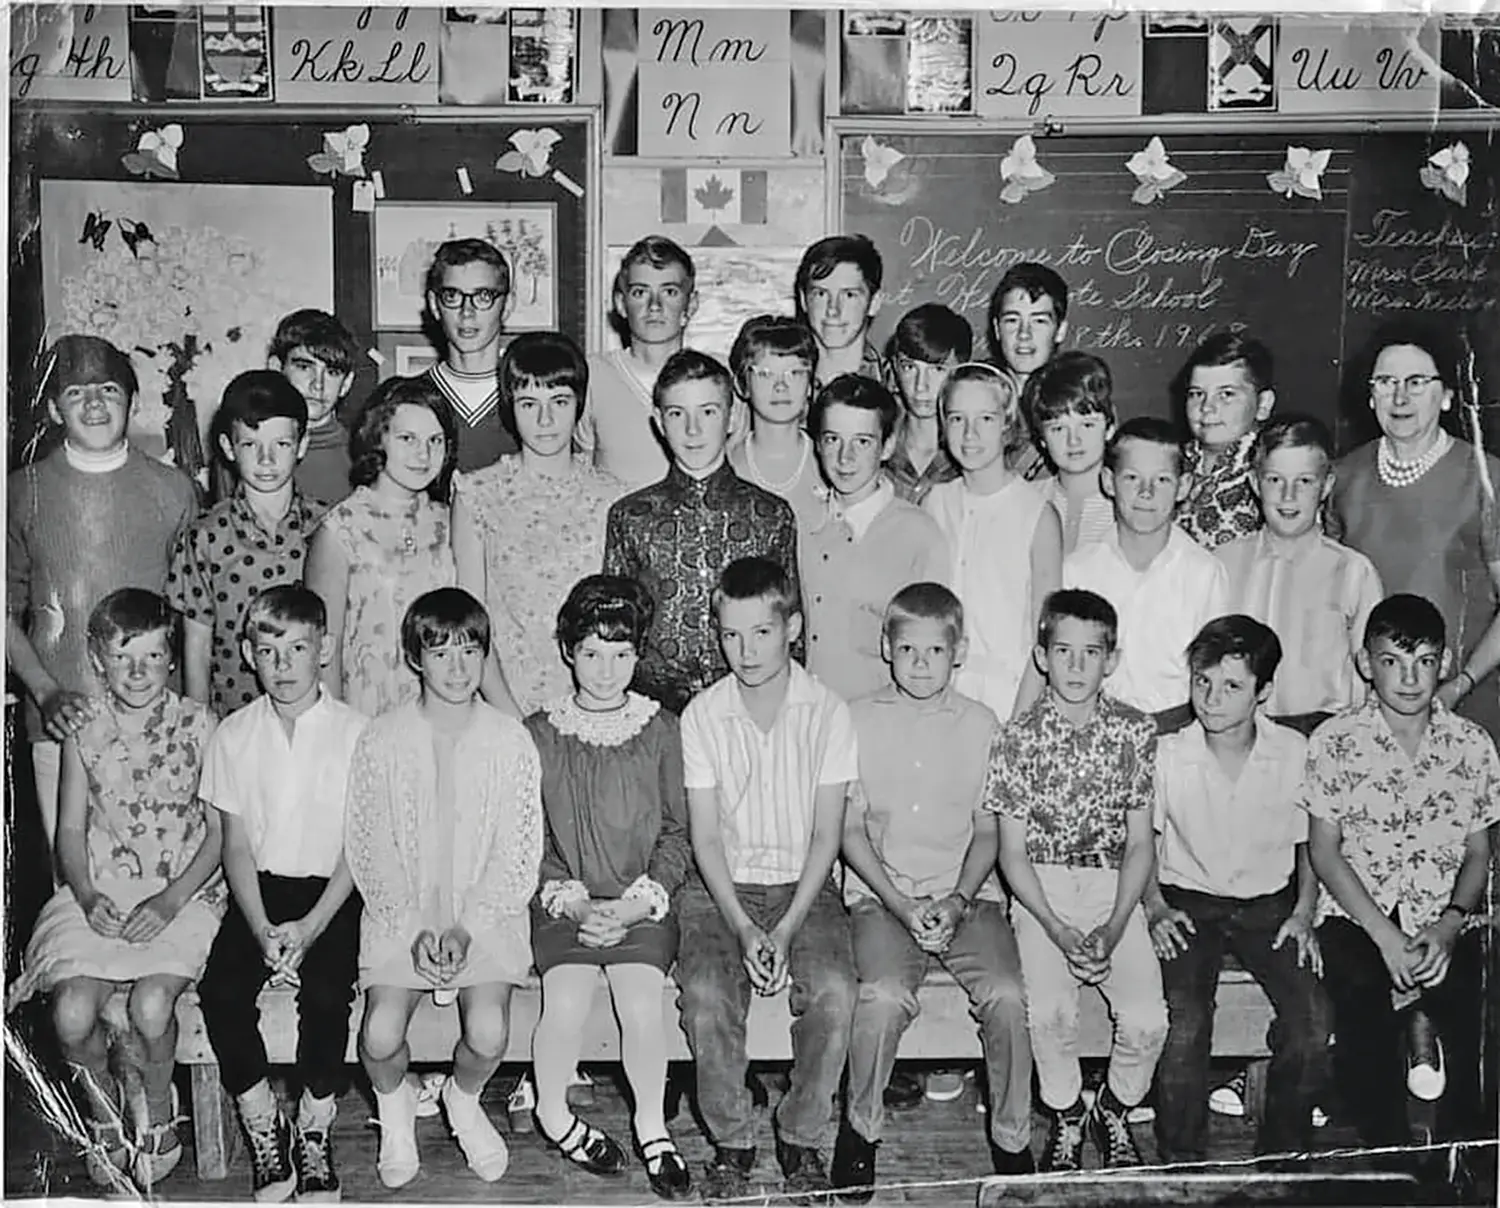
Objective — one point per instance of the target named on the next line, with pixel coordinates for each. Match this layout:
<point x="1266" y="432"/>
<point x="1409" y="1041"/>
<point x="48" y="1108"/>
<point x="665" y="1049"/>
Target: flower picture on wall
<point x="407" y="234"/>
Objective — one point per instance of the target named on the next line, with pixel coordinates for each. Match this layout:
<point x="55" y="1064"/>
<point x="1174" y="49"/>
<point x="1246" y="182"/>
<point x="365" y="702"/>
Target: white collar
<point x="859" y="516"/>
<point x="88" y="462"/>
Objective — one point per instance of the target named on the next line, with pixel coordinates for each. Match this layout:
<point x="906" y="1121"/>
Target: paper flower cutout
<point x="1301" y="174"/>
<point x="343" y="152"/>
<point x="1447" y="173"/>
<point x="1020" y="171"/>
<point x="156" y="153"/>
<point x="879" y="160"/>
<point x="1153" y="172"/>
<point x="532" y="153"/>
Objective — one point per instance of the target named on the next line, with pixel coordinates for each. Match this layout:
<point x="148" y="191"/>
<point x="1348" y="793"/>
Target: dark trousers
<point x="1370" y="1052"/>
<point x="237" y="970"/>
<point x="1298" y="1038"/>
<point x="1303" y="723"/>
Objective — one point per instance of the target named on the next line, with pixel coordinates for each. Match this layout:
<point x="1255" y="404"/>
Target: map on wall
<point x="408" y="234"/>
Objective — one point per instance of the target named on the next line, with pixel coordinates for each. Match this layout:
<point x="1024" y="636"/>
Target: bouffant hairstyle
<point x="613" y="608"/>
<point x="367" y="443"/>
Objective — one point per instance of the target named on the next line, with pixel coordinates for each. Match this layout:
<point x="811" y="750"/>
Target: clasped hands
<point x="142" y="925"/>
<point x="604" y="922"/>
<point x="933" y="922"/>
<point x="1088" y="956"/>
<point x="439" y="958"/>
<point x="282" y="946"/>
<point x="1419" y="961"/>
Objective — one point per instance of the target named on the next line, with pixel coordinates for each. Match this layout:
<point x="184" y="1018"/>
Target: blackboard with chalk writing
<point x="1150" y="278"/>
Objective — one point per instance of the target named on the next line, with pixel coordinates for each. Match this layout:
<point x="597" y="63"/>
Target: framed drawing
<point x="412" y="359"/>
<point x="407" y="234"/>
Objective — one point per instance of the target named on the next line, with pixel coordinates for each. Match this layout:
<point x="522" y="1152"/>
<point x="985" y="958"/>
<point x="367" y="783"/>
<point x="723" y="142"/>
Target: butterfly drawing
<point x="1447" y="172"/>
<point x="879" y="160"/>
<point x="531" y="153"/>
<point x="343" y="152"/>
<point x="1153" y="172"/>
<point x="1020" y="171"/>
<point x="95" y="228"/>
<point x="156" y="153"/>
<point x="135" y="234"/>
<point x="1302" y="174"/>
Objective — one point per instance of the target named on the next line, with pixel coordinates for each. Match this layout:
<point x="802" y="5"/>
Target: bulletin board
<point x="361" y="203"/>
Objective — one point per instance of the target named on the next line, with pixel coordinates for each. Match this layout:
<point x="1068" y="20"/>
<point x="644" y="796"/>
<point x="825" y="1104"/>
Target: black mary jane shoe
<point x="667" y="1173"/>
<point x="592" y="1148"/>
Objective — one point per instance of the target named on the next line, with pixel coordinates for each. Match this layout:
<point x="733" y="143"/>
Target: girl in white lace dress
<point x="443" y="839"/>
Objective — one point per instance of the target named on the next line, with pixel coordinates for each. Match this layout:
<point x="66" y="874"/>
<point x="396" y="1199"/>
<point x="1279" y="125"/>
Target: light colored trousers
<point x="46" y="760"/>
<point x="1084" y="898"/>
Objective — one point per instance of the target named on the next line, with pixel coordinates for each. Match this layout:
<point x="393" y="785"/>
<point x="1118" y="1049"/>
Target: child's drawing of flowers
<point x="155" y="153"/>
<point x="1154" y="172"/>
<point x="343" y="152"/>
<point x="1020" y="171"/>
<point x="1302" y="174"/>
<point x="531" y="152"/>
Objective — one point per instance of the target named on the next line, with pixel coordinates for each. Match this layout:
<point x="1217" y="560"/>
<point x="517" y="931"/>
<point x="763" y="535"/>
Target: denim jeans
<point x="1369" y="1056"/>
<point x="714" y="998"/>
<point x="1085" y="898"/>
<point x="1244" y="927"/>
<point x="984" y="961"/>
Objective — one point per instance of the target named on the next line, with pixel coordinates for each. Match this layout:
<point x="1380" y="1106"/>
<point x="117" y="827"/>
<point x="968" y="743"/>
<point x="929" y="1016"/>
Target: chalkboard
<point x="1220" y="249"/>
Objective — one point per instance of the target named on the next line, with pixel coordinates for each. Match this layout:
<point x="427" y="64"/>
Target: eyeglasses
<point x="1383" y="386"/>
<point x="793" y="377"/>
<point x="480" y="299"/>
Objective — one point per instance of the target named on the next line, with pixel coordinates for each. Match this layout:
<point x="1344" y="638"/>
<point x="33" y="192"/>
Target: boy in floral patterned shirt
<point x="1402" y="795"/>
<point x="1071" y="779"/>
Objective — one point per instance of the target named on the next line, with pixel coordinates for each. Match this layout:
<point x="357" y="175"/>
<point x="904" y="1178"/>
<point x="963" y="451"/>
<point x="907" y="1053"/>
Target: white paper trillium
<point x="879" y="160"/>
<point x="1021" y="173"/>
<point x="1447" y="172"/>
<point x="155" y="153"/>
<point x="1302" y="173"/>
<point x="532" y="152"/>
<point x="343" y="152"/>
<point x="1153" y="172"/>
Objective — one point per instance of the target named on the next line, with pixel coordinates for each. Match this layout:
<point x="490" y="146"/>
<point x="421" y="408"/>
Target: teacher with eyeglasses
<point x="1419" y="502"/>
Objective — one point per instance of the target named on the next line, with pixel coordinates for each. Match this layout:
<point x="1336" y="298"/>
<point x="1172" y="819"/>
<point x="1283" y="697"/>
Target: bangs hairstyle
<point x="931" y="333"/>
<point x="440" y="618"/>
<point x="855" y="390"/>
<point x="87" y="361"/>
<point x="1148" y="428"/>
<point x="366" y="452"/>
<point x="756" y="579"/>
<point x="128" y="613"/>
<point x="321" y="334"/>
<point x="778" y="335"/>
<point x="613" y="608"/>
<point x="1080" y="605"/>
<point x="1236" y="636"/>
<point x="456" y="253"/>
<point x="256" y="396"/>
<point x="1072" y="383"/>
<point x="658" y="252"/>
<point x="1222" y="349"/>
<point x="1408" y="622"/>
<point x="983" y="371"/>
<point x="827" y="254"/>
<point x="925" y="601"/>
<point x="690" y="365"/>
<point x="1036" y="281"/>
<point x="542" y="360"/>
<point x="1292" y="432"/>
<point x="277" y="608"/>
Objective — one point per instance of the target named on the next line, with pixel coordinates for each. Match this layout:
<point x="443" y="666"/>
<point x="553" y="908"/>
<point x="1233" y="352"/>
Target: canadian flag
<point x="713" y="196"/>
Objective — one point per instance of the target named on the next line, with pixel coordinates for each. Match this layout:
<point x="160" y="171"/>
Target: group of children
<point x="903" y="662"/>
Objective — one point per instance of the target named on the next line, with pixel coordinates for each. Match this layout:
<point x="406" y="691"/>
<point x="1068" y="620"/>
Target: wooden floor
<point x="933" y="1155"/>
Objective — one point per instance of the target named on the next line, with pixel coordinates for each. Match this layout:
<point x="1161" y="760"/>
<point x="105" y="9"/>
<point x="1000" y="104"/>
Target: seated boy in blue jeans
<point x="921" y="849"/>
<point x="1233" y="877"/>
<point x="768" y="753"/>
<point x="1071" y="779"/>
<point x="1402" y="796"/>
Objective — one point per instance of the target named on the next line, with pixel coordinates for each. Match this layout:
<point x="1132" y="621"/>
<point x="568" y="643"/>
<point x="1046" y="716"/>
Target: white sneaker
<point x="483" y="1147"/>
<point x="427" y="1087"/>
<point x="520" y="1107"/>
<point x="1426" y="1070"/>
<point x="1229" y="1099"/>
<point x="1319" y="1117"/>
<point x="398" y="1161"/>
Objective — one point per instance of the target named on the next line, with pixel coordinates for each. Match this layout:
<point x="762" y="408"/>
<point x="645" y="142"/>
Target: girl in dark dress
<point x="615" y="851"/>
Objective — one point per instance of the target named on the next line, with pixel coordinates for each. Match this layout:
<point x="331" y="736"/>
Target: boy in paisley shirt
<point x="1072" y="781"/>
<point x="1402" y="796"/>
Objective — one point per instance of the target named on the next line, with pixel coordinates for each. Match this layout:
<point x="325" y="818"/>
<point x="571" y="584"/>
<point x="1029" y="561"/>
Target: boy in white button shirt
<point x="1233" y="877"/>
<point x="1164" y="585"/>
<point x="767" y="754"/>
<point x="277" y="771"/>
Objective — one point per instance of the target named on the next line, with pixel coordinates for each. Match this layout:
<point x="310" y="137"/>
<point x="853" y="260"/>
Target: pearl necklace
<point x="1403" y="473"/>
<point x="760" y="480"/>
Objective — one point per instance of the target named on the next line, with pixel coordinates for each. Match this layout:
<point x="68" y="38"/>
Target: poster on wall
<point x="406" y="234"/>
<point x="192" y="277"/>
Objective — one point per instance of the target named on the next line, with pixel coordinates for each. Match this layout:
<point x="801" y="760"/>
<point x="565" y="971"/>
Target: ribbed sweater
<point x="71" y="538"/>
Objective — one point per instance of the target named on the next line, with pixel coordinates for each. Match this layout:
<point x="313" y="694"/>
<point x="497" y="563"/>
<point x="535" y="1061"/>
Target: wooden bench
<point x="943" y="1031"/>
